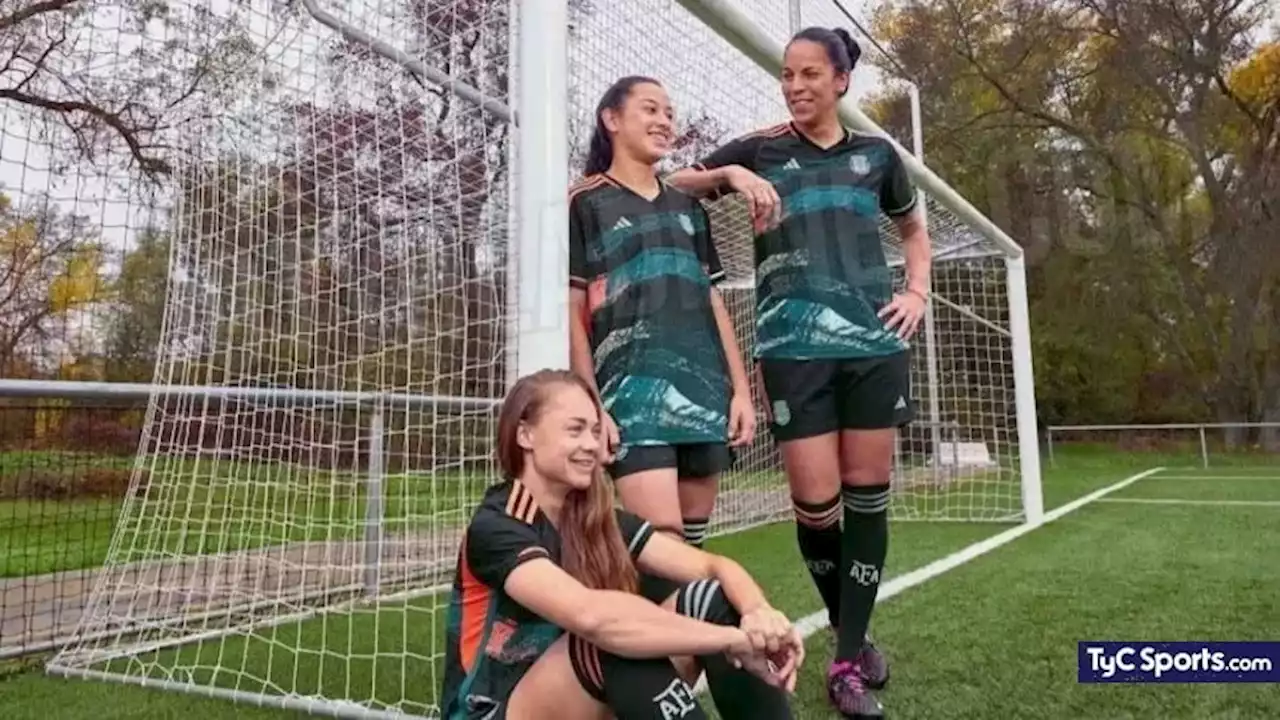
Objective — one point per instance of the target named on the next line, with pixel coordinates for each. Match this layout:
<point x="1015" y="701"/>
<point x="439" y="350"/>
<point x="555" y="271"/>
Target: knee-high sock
<point x="866" y="543"/>
<point x="818" y="535"/>
<point x="634" y="689"/>
<point x="695" y="530"/>
<point x="738" y="694"/>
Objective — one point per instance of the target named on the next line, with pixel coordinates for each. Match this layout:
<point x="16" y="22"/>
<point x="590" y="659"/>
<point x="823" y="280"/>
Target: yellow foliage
<point x="47" y="421"/>
<point x="76" y="368"/>
<point x="1257" y="80"/>
<point x="80" y="282"/>
<point x="19" y="238"/>
<point x="889" y="23"/>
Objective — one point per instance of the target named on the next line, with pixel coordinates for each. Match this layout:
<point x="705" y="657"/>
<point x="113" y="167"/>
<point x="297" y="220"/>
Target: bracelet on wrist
<point x="922" y="295"/>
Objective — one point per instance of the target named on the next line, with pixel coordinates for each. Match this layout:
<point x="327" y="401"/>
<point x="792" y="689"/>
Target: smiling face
<point x="642" y="127"/>
<point x="810" y="84"/>
<point x="563" y="442"/>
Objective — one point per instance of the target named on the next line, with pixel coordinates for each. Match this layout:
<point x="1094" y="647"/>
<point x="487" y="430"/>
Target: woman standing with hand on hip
<point x="831" y="332"/>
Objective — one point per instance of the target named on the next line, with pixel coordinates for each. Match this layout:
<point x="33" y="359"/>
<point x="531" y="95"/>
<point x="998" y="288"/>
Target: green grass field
<point x="1184" y="554"/>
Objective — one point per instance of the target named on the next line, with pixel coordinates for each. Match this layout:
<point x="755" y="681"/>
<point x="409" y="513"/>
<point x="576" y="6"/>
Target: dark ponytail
<point x="600" y="152"/>
<point x="842" y="50"/>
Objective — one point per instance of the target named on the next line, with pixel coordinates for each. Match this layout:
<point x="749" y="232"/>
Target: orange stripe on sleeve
<point x="475" y="606"/>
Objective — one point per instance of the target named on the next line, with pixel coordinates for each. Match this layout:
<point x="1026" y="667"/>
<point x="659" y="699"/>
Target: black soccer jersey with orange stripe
<point x="648" y="267"/>
<point x="492" y="640"/>
<point x="821" y="276"/>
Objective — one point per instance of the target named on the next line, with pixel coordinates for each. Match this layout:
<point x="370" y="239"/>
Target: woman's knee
<point x="552" y="688"/>
<point x="813" y="467"/>
<point x="698" y="496"/>
<point x="633" y="688"/>
<point x="866" y="456"/>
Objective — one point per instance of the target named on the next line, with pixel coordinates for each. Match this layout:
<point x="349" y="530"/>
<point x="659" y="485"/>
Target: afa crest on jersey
<point x="859" y="164"/>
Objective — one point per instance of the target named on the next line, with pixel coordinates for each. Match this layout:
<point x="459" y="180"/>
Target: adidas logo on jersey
<point x="622" y="224"/>
<point x="901" y="404"/>
<point x="792" y="164"/>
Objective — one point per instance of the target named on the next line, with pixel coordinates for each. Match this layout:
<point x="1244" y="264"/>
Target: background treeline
<point x="1133" y="147"/>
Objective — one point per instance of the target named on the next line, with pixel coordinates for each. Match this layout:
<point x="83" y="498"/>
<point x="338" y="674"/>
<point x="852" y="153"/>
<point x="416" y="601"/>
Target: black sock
<point x="695" y="531"/>
<point x="818" y="534"/>
<point x="634" y="689"/>
<point x="866" y="542"/>
<point x="737" y="693"/>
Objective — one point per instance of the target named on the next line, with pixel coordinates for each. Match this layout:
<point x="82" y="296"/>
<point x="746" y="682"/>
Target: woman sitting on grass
<point x="545" y="619"/>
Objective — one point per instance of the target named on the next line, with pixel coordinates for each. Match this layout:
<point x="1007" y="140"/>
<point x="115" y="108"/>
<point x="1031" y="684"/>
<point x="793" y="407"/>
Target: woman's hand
<point x="767" y="628"/>
<point x="779" y="669"/>
<point x="609" y="438"/>
<point x="904" y="312"/>
<point x="742" y="421"/>
<point x="762" y="199"/>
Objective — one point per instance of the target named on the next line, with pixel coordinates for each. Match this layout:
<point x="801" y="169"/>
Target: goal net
<point x="337" y="333"/>
<point x="960" y="459"/>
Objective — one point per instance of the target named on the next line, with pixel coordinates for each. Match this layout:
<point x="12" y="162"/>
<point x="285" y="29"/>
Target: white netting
<point x="338" y="235"/>
<point x="339" y="229"/>
<point x="959" y="461"/>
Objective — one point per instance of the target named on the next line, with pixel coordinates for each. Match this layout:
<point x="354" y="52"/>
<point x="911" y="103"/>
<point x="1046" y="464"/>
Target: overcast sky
<point x="621" y="37"/>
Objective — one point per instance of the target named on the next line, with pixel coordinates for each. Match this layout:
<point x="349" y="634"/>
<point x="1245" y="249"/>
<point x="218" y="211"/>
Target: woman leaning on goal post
<point x="831" y="333"/>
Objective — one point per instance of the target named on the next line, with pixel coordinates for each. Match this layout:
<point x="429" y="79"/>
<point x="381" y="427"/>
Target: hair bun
<point x="851" y="45"/>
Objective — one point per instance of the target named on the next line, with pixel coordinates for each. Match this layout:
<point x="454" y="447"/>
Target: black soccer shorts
<point x="807" y="398"/>
<point x="694" y="460"/>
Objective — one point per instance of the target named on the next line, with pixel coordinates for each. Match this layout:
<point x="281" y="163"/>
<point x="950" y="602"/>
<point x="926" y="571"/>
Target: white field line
<point x="1219" y="477"/>
<point x="1185" y="501"/>
<point x="811" y="624"/>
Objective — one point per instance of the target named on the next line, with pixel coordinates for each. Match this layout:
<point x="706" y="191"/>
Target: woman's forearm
<point x="701" y="183"/>
<point x="631" y="626"/>
<point x="739" y="588"/>
<point x="729" y="340"/>
<point x="580" y="361"/>
<point x="917" y="254"/>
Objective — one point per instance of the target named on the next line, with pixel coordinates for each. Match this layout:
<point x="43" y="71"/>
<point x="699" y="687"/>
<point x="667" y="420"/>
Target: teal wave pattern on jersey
<point x="813" y="330"/>
<point x="653" y="264"/>
<point x="664" y="386"/>
<point x="824" y="198"/>
<point x="652" y="410"/>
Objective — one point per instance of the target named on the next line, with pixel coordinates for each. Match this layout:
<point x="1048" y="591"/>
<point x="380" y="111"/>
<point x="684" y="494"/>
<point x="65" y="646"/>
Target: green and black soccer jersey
<point x="821" y="274"/>
<point x="647" y="267"/>
<point x="492" y="640"/>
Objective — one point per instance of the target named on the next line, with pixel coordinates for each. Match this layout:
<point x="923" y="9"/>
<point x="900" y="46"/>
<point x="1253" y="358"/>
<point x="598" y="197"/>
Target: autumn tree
<point x="1131" y="146"/>
<point x="50" y="267"/>
<point x="135" y="310"/>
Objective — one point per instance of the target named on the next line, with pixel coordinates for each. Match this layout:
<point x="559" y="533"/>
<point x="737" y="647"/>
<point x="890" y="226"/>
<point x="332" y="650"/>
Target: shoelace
<point x="846" y="674"/>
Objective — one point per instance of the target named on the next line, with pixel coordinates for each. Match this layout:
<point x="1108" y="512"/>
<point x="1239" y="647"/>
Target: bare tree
<point x="95" y="93"/>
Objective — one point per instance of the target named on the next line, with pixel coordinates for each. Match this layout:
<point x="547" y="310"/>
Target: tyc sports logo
<point x="1181" y="662"/>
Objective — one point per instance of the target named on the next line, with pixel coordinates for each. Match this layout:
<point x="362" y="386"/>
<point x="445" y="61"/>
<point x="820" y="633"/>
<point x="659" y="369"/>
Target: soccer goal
<point x="367" y="245"/>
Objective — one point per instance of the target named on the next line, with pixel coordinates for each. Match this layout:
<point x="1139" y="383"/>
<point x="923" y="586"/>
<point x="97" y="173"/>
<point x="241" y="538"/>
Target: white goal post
<point x="959" y="232"/>
<point x="365" y="249"/>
